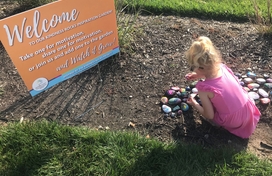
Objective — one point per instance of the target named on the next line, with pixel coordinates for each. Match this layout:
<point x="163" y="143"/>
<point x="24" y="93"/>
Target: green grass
<point x="235" y="10"/>
<point x="43" y="148"/>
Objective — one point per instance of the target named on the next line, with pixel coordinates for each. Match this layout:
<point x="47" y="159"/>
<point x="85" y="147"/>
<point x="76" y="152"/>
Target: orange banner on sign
<point x="56" y="41"/>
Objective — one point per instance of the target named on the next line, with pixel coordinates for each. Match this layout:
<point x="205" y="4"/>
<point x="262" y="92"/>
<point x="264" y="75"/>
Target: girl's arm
<point x="207" y="108"/>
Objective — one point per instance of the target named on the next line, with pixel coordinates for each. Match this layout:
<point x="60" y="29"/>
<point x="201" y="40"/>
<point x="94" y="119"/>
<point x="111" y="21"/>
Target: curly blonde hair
<point x="202" y="53"/>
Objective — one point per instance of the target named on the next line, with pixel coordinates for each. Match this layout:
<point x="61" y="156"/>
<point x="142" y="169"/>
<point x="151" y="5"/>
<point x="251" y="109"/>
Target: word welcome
<point x="33" y="30"/>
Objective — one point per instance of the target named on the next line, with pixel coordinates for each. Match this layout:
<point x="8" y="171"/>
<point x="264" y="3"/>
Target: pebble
<point x="164" y="100"/>
<point x="253" y="85"/>
<point x="263" y="93"/>
<point x="184" y="106"/>
<point x="173" y="115"/>
<point x="268" y="85"/>
<point x="176" y="108"/>
<point x="179" y="112"/>
<point x="170" y="92"/>
<point x="260" y="80"/>
<point x="265" y="100"/>
<point x="251" y="75"/>
<point x="242" y="83"/>
<point x="253" y="95"/>
<point x="247" y="89"/>
<point x="175" y="88"/>
<point x="269" y="80"/>
<point x="166" y="109"/>
<point x="174" y="101"/>
<point x="188" y="88"/>
<point x="266" y="76"/>
<point x="248" y="80"/>
<point x="194" y="90"/>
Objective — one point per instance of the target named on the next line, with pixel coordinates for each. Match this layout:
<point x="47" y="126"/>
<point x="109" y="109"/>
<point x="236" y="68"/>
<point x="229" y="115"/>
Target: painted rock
<point x="265" y="75"/>
<point x="253" y="85"/>
<point x="247" y="89"/>
<point x="164" y="100"/>
<point x="242" y="83"/>
<point x="188" y="88"/>
<point x="173" y="115"/>
<point x="194" y="90"/>
<point x="175" y="88"/>
<point x="251" y="75"/>
<point x="248" y="80"/>
<point x="174" y="101"/>
<point x="268" y="85"/>
<point x="265" y="100"/>
<point x="253" y="95"/>
<point x="263" y="93"/>
<point x="193" y="84"/>
<point x="166" y="109"/>
<point x="179" y="112"/>
<point x="184" y="107"/>
<point x="269" y="80"/>
<point x="255" y="89"/>
<point x="170" y="92"/>
<point x="239" y="75"/>
<point x="176" y="108"/>
<point x="182" y="90"/>
<point x="260" y="80"/>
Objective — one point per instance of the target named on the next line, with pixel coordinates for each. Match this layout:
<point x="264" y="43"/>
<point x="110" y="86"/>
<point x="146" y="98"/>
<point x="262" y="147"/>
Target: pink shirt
<point x="233" y="109"/>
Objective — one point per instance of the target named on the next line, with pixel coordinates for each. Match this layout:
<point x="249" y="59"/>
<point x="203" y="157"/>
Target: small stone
<point x="251" y="75"/>
<point x="166" y="115"/>
<point x="170" y="92"/>
<point x="182" y="90"/>
<point x="166" y="109"/>
<point x="253" y="85"/>
<point x="239" y="75"/>
<point x="268" y="85"/>
<point x="242" y="83"/>
<point x="194" y="90"/>
<point x="175" y="88"/>
<point x="247" y="89"/>
<point x="265" y="100"/>
<point x="184" y="107"/>
<point x="255" y="89"/>
<point x="176" y="108"/>
<point x="248" y="80"/>
<point x="253" y="95"/>
<point x="260" y="80"/>
<point x="269" y="80"/>
<point x="164" y="100"/>
<point x="188" y="88"/>
<point x="179" y="112"/>
<point x="265" y="76"/>
<point x="174" y="101"/>
<point x="263" y="93"/>
<point x="173" y="115"/>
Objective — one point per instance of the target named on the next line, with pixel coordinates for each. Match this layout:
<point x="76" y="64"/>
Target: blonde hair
<point x="203" y="53"/>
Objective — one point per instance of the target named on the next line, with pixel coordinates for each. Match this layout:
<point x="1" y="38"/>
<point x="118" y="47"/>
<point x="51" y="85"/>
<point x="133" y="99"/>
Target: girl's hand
<point x="191" y="76"/>
<point x="191" y="101"/>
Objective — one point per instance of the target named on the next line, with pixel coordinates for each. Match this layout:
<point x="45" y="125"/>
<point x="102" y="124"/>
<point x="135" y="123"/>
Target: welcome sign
<point x="57" y="41"/>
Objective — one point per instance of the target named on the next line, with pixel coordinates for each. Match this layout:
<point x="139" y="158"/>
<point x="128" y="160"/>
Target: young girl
<point x="224" y="101"/>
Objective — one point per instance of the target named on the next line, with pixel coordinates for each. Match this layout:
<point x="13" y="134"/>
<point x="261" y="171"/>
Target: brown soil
<point x="123" y="93"/>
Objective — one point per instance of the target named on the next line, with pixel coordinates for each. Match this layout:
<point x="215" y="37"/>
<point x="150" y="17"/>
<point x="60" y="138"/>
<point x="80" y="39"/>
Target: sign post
<point x="57" y="41"/>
